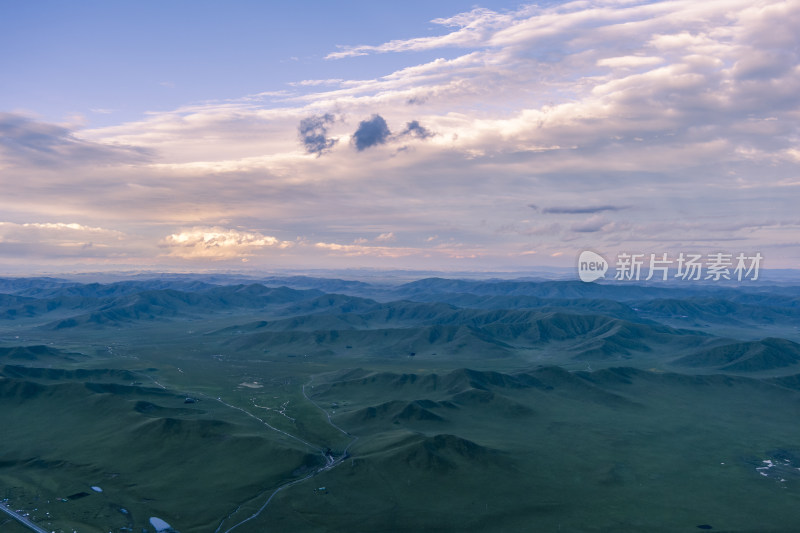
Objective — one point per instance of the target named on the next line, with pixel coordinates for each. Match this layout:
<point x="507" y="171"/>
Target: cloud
<point x="446" y="250"/>
<point x="591" y="225"/>
<point x="527" y="229"/>
<point x="414" y="129"/>
<point x="314" y="83"/>
<point x="682" y="109"/>
<point x="313" y="133"/>
<point x="578" y="210"/>
<point x="24" y="141"/>
<point x="59" y="239"/>
<point x="472" y="29"/>
<point x="366" y="250"/>
<point x="629" y="61"/>
<point x="371" y="133"/>
<point x="54" y="232"/>
<point x="385" y="237"/>
<point x="216" y="243"/>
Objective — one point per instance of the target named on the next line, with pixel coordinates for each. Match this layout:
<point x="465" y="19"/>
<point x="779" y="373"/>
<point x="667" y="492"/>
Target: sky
<point x="447" y="135"/>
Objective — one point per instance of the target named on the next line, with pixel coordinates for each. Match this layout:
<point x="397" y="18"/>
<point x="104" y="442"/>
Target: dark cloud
<point x="371" y="132"/>
<point x="578" y="210"/>
<point x="313" y="133"/>
<point x="27" y="142"/>
<point x="415" y="129"/>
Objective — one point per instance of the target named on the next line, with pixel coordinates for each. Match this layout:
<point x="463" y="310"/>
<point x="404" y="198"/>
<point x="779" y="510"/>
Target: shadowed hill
<point x="400" y="342"/>
<point x="170" y="303"/>
<point x="439" y="393"/>
<point x="328" y="303"/>
<point x="58" y="374"/>
<point x="540" y="289"/>
<point x="427" y="328"/>
<point x="36" y="353"/>
<point x="753" y="356"/>
<point x="720" y="310"/>
<point x="18" y="285"/>
<point x="443" y="453"/>
<point x="396" y="411"/>
<point x="606" y="307"/>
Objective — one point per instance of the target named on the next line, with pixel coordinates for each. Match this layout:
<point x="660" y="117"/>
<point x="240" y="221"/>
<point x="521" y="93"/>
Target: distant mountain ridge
<point x="568" y="321"/>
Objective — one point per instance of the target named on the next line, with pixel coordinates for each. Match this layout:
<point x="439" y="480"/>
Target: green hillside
<point x="293" y="403"/>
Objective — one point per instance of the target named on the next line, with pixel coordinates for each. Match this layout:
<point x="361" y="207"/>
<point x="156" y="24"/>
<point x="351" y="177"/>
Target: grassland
<point x="440" y="405"/>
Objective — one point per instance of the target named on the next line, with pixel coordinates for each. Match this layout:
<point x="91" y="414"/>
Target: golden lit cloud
<point x="219" y="243"/>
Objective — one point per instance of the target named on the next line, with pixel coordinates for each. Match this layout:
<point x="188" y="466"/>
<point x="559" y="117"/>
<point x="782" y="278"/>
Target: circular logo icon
<point x="591" y="266"/>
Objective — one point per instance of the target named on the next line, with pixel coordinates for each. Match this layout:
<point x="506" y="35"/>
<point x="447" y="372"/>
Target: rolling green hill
<point x="293" y="403"/>
<point x="755" y="356"/>
<point x="37" y="353"/>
